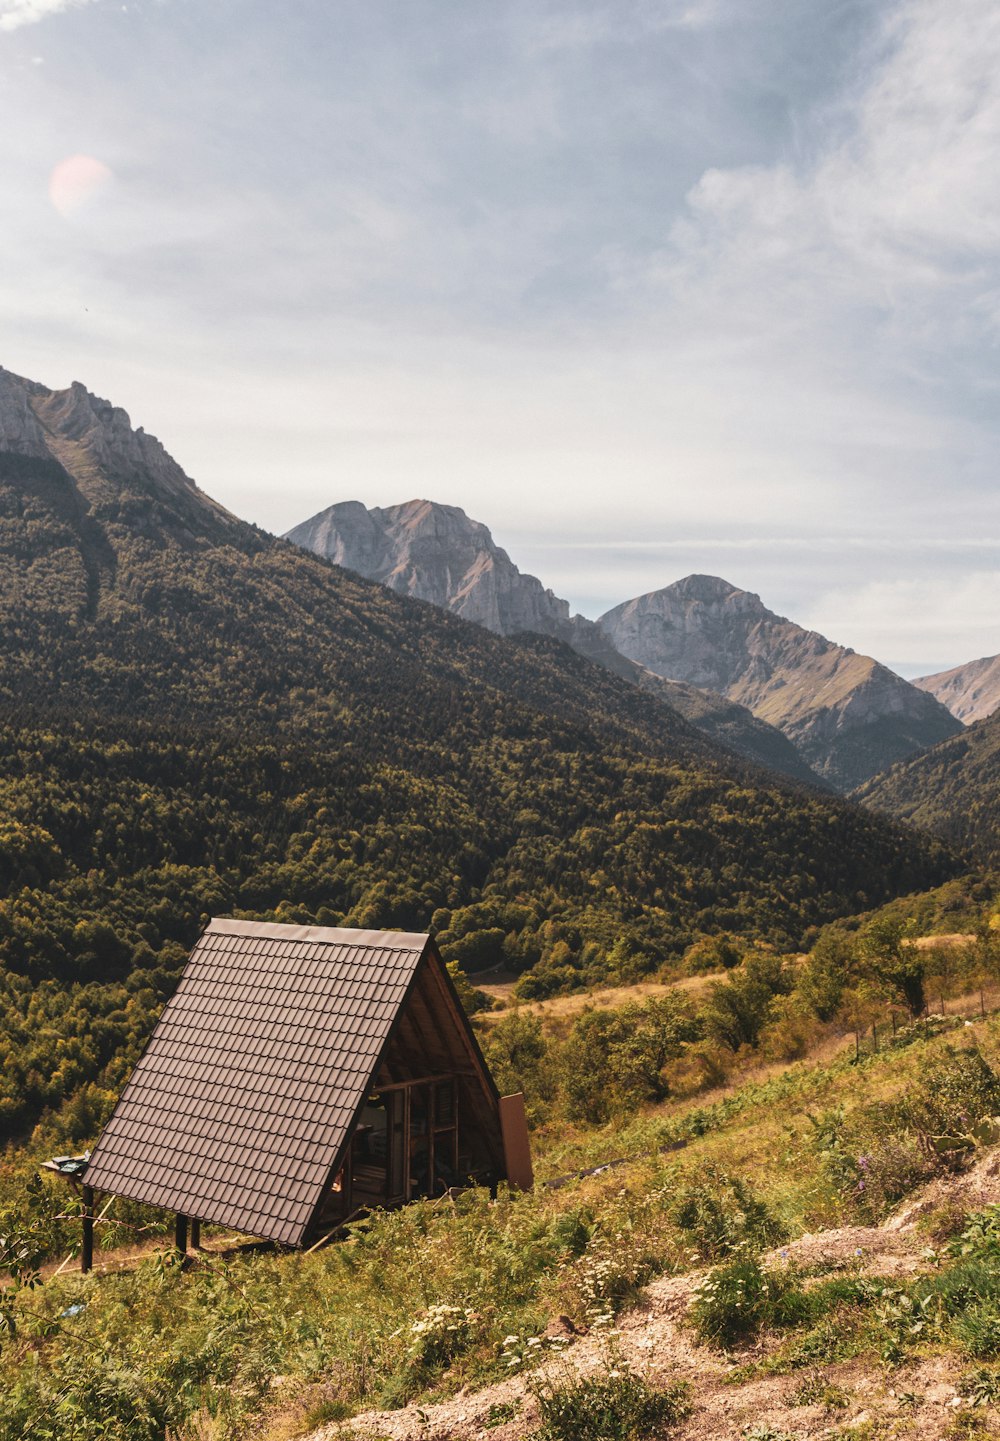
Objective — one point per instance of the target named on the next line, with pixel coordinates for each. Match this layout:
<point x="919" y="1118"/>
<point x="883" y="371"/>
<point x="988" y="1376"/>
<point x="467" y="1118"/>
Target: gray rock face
<point x="93" y="441"/>
<point x="437" y="553"/>
<point x="971" y="692"/>
<point x="21" y="432"/>
<point x="849" y="716"/>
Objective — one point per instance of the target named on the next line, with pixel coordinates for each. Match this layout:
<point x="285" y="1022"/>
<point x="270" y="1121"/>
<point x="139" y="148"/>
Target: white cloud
<point x="898" y="212"/>
<point x="916" y="620"/>
<point x="15" y="13"/>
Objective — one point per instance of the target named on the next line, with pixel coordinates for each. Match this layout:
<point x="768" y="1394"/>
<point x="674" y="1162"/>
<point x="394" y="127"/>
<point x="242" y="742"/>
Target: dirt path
<point x="919" y="1400"/>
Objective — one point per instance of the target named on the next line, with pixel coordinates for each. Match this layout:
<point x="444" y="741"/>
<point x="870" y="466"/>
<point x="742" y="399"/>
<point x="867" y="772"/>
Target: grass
<point x="421" y="1302"/>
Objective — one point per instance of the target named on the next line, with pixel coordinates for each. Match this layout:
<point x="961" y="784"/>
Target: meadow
<point x="412" y="1306"/>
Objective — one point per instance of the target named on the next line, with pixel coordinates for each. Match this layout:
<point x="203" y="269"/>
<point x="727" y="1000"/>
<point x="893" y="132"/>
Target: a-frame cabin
<point x="300" y="1073"/>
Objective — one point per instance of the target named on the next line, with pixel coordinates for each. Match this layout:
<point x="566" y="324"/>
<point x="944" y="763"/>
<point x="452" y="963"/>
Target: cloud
<point x="895" y="215"/>
<point x="920" y="620"/>
<point x="15" y="13"/>
<point x="721" y="272"/>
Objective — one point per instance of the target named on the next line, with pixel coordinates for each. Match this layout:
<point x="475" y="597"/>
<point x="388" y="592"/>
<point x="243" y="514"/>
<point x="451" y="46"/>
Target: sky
<point x="649" y="286"/>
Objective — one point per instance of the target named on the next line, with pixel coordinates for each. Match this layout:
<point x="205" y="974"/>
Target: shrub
<point x="615" y="1404"/>
<point x="738" y="1009"/>
<point x="733" y="1302"/>
<point x="956" y="1093"/>
<point x="720" y="1214"/>
<point x="613" y="1060"/>
<point x="881" y="1152"/>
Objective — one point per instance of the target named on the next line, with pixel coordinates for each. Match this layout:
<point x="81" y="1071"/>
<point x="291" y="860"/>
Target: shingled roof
<point x="242" y="1103"/>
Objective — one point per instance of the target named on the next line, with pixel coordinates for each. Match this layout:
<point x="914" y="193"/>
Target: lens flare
<point x="77" y="182"/>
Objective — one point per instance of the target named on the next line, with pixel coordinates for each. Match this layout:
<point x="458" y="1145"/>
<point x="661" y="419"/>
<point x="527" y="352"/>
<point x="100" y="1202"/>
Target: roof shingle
<point x="244" y="1096"/>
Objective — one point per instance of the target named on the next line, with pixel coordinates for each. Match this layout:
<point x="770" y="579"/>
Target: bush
<point x="720" y="1214"/>
<point x="737" y="1010"/>
<point x="734" y="1301"/>
<point x="956" y="1093"/>
<point x="878" y="1155"/>
<point x="614" y="1059"/>
<point x="614" y="1405"/>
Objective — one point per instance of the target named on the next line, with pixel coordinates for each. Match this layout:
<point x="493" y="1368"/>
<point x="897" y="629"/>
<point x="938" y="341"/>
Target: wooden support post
<point x="87" y="1253"/>
<point x="181" y="1234"/>
<point x="875" y="1037"/>
<point x="982" y="1004"/>
<point x="195" y="1235"/>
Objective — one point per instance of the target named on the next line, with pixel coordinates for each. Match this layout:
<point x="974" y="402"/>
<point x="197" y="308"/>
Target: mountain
<point x="848" y="716"/>
<point x="971" y="692"/>
<point x="200" y="717"/>
<point x="952" y="789"/>
<point x="436" y="553"/>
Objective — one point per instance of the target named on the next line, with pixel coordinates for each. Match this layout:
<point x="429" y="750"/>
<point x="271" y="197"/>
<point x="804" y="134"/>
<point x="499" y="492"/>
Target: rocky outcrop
<point x="971" y="692"/>
<point x="847" y="715"/>
<point x="21" y="432"/>
<point x="95" y="445"/>
<point x="437" y="553"/>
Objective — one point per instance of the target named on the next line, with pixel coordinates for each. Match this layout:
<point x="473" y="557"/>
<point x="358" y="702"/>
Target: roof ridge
<point x="331" y="935"/>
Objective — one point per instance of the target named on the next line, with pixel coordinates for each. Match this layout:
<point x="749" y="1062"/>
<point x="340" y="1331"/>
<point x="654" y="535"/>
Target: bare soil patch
<point x="917" y="1399"/>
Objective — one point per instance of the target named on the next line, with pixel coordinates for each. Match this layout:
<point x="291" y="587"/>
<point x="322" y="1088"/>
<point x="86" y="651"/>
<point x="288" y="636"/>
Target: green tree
<point x="737" y="1010"/>
<point x="890" y="957"/>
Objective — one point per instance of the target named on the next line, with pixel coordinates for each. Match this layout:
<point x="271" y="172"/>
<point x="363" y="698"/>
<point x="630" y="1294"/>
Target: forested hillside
<point x="201" y="719"/>
<point x="953" y="790"/>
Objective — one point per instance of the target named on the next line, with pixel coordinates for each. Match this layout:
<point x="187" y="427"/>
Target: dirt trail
<point x="919" y="1400"/>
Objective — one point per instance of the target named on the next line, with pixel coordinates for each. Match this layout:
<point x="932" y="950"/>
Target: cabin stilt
<point x="87" y="1252"/>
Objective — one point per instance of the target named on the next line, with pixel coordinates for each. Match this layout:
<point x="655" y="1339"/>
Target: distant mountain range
<point x="198" y="718"/>
<point x="971" y="691"/>
<point x="792" y="698"/>
<point x="436" y="553"/>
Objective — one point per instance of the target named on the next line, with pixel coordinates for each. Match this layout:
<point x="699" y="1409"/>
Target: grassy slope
<point x="339" y="1324"/>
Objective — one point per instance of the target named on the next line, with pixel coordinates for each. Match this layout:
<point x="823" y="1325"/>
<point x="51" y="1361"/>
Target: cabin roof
<point x="241" y="1105"/>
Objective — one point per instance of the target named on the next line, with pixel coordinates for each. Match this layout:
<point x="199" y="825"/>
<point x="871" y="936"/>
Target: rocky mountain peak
<point x="437" y="553"/>
<point x="847" y="714"/>
<point x="20" y="430"/>
<point x="95" y="443"/>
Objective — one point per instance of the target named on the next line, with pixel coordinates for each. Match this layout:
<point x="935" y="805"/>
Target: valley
<point x="707" y="981"/>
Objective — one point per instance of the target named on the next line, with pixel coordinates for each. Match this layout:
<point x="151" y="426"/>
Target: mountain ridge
<point x="848" y="715"/>
<point x="970" y="691"/>
<point x="201" y="717"/>
<point x="438" y="554"/>
<point x="951" y="790"/>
